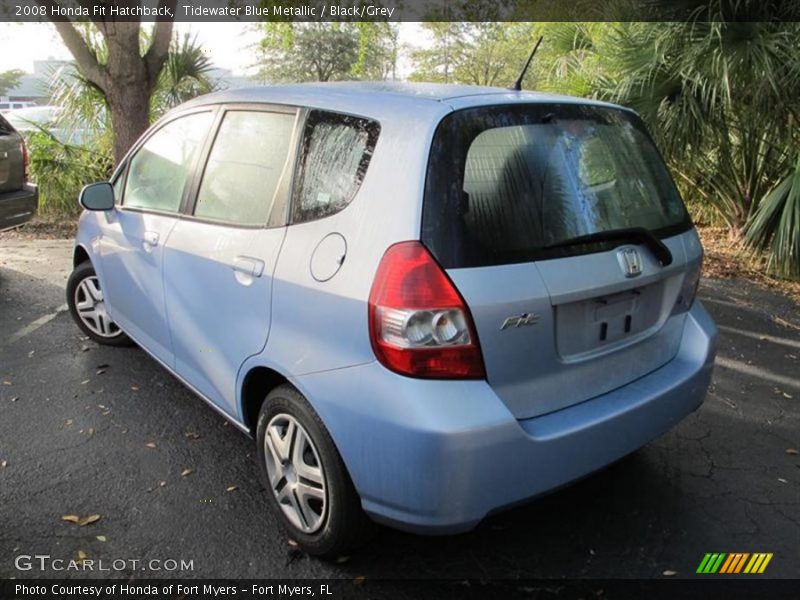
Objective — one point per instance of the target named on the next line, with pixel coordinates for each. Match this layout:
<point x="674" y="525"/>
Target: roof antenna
<point x="517" y="87"/>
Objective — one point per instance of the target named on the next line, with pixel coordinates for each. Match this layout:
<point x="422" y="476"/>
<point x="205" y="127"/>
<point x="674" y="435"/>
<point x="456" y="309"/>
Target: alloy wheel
<point x="295" y="473"/>
<point x="91" y="308"/>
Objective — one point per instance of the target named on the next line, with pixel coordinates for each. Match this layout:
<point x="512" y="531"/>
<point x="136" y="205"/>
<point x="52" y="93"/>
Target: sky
<point x="229" y="45"/>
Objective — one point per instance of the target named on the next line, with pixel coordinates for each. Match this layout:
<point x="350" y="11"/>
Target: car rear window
<point x="506" y="182"/>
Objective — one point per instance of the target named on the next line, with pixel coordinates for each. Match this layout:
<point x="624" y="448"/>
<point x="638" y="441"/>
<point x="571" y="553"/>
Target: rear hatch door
<point x="523" y="206"/>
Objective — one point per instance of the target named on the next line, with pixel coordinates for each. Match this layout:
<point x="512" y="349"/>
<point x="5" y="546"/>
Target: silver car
<point x="425" y="303"/>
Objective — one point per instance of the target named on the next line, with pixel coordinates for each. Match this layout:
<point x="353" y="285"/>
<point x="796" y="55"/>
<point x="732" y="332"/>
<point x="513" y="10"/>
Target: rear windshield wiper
<point x="635" y="235"/>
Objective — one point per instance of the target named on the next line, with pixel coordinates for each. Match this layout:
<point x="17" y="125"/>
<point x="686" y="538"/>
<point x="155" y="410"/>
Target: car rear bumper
<point x="438" y="456"/>
<point x="18" y="207"/>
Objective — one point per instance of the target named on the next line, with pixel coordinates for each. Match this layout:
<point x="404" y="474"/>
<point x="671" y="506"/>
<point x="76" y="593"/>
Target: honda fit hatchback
<point x="425" y="303"/>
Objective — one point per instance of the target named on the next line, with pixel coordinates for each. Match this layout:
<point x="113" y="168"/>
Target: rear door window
<point x="505" y="183"/>
<point x="334" y="159"/>
<point x="244" y="167"/>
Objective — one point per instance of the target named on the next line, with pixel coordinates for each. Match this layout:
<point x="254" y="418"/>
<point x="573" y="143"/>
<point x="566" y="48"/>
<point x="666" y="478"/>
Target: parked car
<point x="50" y="119"/>
<point x="18" y="199"/>
<point x="426" y="303"/>
<point x="8" y="105"/>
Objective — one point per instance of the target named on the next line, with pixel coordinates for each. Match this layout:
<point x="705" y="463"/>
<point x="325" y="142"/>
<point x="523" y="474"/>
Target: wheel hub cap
<point x="91" y="308"/>
<point x="295" y="473"/>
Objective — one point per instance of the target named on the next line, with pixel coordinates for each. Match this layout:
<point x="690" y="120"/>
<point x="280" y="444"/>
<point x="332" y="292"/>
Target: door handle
<point x="150" y="238"/>
<point x="248" y="265"/>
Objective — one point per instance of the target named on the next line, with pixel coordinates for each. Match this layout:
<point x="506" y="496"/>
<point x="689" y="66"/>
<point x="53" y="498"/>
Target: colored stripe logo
<point x="734" y="563"/>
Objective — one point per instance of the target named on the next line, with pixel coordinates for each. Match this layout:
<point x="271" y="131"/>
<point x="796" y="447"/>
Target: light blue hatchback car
<point x="426" y="303"/>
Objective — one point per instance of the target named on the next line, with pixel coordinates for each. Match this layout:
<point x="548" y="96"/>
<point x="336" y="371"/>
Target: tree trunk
<point x="129" y="107"/>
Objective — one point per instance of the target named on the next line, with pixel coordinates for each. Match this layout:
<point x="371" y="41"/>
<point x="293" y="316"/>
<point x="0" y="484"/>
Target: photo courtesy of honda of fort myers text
<point x="399" y="299"/>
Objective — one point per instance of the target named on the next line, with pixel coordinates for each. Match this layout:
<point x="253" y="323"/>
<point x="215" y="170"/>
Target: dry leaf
<point x="232" y="488"/>
<point x="785" y="395"/>
<point x="186" y="472"/>
<point x="68" y="422"/>
<point x="162" y="483"/>
<point x="15" y="398"/>
<point x="89" y="520"/>
<point x="792" y="451"/>
<point x="192" y="435"/>
<point x="359" y="580"/>
<point x="292" y="543"/>
<point x="150" y="444"/>
<point x="100" y="371"/>
<point x="71" y="518"/>
<point x="135" y="388"/>
<point x="101" y="407"/>
<point x="85" y="381"/>
<point x="669" y="573"/>
<point x="81" y="556"/>
<point x="101" y="538"/>
<point x="90" y="433"/>
<point x="3" y="464"/>
<point x="342" y="559"/>
<point x="782" y="480"/>
<point x="6" y="383"/>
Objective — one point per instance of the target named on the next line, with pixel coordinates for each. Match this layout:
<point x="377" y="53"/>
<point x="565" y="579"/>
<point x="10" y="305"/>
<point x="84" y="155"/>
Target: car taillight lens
<point x="25" y="160"/>
<point x="419" y="324"/>
<point x="688" y="289"/>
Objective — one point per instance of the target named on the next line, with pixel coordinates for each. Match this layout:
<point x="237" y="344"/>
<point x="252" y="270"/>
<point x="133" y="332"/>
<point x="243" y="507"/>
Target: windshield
<point x="513" y="183"/>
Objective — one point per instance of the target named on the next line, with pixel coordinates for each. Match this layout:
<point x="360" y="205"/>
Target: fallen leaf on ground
<point x="68" y="422"/>
<point x="6" y="382"/>
<point x="15" y="398"/>
<point x="101" y="538"/>
<point x="150" y="444"/>
<point x="342" y="559"/>
<point x="85" y="381"/>
<point x="192" y="435"/>
<point x="186" y="472"/>
<point x="232" y="488"/>
<point x="162" y="483"/>
<point x="100" y="371"/>
<point x="785" y="395"/>
<point x="135" y="388"/>
<point x="89" y="520"/>
<point x="81" y="556"/>
<point x="792" y="451"/>
<point x="3" y="463"/>
<point x="100" y="406"/>
<point x="71" y="518"/>
<point x="782" y="480"/>
<point x="292" y="543"/>
<point x="359" y="580"/>
<point x="90" y="433"/>
<point x="669" y="573"/>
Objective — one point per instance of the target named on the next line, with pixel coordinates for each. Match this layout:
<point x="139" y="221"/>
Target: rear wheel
<point x="88" y="308"/>
<point x="309" y="487"/>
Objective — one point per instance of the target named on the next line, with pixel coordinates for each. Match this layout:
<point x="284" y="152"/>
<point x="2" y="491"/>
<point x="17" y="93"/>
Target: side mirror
<point x="97" y="196"/>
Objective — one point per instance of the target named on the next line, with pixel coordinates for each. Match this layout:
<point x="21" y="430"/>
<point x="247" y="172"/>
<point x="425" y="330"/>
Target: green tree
<point x="477" y="53"/>
<point x="327" y="51"/>
<point x="9" y="80"/>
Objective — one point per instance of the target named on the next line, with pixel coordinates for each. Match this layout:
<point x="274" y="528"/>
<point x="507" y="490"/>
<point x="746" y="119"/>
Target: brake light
<point x="25" y="161"/>
<point x="686" y="296"/>
<point x="419" y="324"/>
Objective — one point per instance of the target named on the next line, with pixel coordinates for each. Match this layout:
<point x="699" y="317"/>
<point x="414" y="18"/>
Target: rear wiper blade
<point x="635" y="235"/>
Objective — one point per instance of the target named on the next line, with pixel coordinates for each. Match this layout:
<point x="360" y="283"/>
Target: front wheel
<point x="310" y="489"/>
<point x="88" y="308"/>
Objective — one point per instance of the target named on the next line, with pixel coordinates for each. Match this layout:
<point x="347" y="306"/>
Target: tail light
<point x="25" y="161"/>
<point x="688" y="289"/>
<point x="419" y="324"/>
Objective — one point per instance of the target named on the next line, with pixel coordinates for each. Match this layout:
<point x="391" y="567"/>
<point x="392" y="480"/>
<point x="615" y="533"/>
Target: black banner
<point x="399" y="10"/>
<point x="733" y="588"/>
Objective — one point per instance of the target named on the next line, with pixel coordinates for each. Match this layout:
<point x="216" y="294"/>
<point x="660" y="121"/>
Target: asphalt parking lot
<point x="88" y="430"/>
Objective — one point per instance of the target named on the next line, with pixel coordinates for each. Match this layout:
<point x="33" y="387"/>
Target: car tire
<point x="84" y="298"/>
<point x="328" y="530"/>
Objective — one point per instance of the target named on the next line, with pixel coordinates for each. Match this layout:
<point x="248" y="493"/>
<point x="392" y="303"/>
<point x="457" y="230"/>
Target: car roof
<point x="383" y="98"/>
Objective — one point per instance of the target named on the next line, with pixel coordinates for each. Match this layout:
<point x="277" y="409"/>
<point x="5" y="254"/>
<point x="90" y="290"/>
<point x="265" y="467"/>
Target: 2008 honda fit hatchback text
<point x="425" y="302"/>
